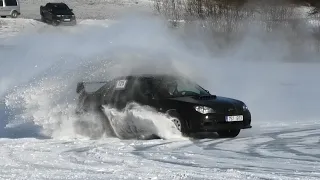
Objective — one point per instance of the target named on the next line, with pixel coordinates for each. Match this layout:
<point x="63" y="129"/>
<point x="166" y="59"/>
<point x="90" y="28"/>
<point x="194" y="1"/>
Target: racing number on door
<point x="121" y="84"/>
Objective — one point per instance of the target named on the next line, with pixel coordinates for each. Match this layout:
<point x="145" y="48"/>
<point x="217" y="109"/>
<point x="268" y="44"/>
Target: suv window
<point x="1" y="3"/>
<point x="11" y="2"/>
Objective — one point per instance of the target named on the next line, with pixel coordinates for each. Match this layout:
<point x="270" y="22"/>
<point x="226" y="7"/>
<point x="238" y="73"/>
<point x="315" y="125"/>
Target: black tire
<point x="229" y="133"/>
<point x="179" y="122"/>
<point x="14" y="14"/>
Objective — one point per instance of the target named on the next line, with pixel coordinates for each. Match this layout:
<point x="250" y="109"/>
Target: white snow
<point x="42" y="138"/>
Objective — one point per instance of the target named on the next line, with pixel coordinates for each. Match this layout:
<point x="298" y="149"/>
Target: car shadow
<point x="39" y="20"/>
<point x="209" y="135"/>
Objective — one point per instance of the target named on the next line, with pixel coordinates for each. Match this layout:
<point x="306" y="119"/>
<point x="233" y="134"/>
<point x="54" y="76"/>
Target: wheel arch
<point x="176" y="114"/>
<point x="14" y="10"/>
<point x="173" y="113"/>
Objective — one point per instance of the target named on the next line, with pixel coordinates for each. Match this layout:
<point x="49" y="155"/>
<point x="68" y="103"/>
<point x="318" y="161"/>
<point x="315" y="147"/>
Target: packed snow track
<point x="38" y="89"/>
<point x="283" y="154"/>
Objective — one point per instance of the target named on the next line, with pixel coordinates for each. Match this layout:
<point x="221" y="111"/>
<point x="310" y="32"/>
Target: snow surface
<point x="42" y="138"/>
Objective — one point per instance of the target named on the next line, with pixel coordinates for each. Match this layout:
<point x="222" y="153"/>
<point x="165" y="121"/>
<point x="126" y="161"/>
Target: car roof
<point x="57" y="3"/>
<point x="130" y="76"/>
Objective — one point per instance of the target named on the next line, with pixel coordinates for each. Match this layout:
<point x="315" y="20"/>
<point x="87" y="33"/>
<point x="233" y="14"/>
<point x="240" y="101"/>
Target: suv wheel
<point x="14" y="14"/>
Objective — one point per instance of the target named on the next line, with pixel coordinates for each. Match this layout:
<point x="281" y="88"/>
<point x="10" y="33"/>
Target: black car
<point x="194" y="109"/>
<point x="57" y="14"/>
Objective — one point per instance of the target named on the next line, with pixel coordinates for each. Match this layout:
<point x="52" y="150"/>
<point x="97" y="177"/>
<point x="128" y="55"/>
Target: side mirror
<point x="71" y="9"/>
<point x="207" y="91"/>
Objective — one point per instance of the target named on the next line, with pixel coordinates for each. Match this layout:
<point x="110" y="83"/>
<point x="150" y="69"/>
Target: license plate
<point x="66" y="19"/>
<point x="234" y="118"/>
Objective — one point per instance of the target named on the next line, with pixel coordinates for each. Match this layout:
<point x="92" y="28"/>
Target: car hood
<point x="64" y="13"/>
<point x="218" y="103"/>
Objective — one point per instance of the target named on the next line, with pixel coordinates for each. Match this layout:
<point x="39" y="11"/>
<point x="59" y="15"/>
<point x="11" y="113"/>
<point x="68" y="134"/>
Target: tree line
<point x="186" y="9"/>
<point x="228" y="16"/>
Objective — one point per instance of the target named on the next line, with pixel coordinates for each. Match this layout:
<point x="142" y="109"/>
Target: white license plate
<point x="234" y="118"/>
<point x="66" y="19"/>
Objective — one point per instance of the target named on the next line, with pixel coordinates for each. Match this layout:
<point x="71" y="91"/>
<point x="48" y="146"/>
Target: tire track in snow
<point x="271" y="155"/>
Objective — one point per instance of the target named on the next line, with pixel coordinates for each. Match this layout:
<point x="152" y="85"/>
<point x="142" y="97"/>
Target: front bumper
<point x="66" y="20"/>
<point x="70" y="23"/>
<point x="216" y="122"/>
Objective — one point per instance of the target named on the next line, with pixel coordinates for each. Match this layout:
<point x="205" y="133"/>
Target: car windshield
<point x="60" y="7"/>
<point x="179" y="87"/>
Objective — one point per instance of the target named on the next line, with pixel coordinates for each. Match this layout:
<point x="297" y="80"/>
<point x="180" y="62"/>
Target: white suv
<point x="9" y="8"/>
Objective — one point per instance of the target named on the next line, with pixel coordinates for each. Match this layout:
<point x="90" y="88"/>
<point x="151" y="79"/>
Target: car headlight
<point x="204" y="109"/>
<point x="244" y="107"/>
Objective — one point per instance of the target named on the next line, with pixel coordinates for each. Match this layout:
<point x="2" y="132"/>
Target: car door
<point x="5" y="10"/>
<point x="149" y="94"/>
<point x="142" y="91"/>
<point x="1" y="8"/>
<point x="9" y="6"/>
<point x="121" y="93"/>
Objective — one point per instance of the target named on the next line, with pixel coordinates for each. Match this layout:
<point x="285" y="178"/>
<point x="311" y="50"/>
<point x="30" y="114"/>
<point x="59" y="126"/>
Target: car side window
<point x="11" y="2"/>
<point x="1" y="3"/>
<point x="49" y="6"/>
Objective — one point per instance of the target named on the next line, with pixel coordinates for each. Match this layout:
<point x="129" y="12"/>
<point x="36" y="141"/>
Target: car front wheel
<point x="14" y="14"/>
<point x="229" y="133"/>
<point x="179" y="123"/>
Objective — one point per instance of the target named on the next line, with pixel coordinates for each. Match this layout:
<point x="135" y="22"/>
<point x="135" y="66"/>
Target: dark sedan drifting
<point x="194" y="109"/>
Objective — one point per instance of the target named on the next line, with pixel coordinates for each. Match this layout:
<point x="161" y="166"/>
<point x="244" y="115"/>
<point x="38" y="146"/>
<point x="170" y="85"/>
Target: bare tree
<point x="228" y="16"/>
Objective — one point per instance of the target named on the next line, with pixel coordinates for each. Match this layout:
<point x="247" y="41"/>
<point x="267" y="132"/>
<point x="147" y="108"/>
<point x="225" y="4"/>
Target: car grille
<point x="67" y="17"/>
<point x="232" y="110"/>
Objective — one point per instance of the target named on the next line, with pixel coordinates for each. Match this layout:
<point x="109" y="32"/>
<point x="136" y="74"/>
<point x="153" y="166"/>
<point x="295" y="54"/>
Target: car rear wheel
<point x="229" y="133"/>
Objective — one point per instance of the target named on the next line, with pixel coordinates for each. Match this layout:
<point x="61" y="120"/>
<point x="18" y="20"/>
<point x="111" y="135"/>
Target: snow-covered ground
<point x="89" y="9"/>
<point x="41" y="138"/>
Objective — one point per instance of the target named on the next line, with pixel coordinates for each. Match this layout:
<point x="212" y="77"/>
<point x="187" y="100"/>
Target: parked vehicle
<point x="57" y="14"/>
<point x="9" y="8"/>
